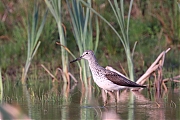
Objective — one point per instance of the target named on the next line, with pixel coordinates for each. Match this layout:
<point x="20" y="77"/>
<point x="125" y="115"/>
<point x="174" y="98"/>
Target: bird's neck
<point x="93" y="64"/>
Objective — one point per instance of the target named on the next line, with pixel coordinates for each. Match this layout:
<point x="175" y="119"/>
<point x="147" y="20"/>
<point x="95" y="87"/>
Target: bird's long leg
<point x="112" y="96"/>
<point x="115" y="96"/>
<point x="104" y="96"/>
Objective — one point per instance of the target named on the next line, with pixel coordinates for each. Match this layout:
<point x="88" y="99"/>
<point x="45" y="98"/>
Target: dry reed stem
<point x="54" y="78"/>
<point x="146" y="75"/>
<point x="69" y="74"/>
<point x="155" y="65"/>
<point x="75" y="80"/>
<point x="164" y="86"/>
<point x="174" y="79"/>
<point x="123" y="69"/>
<point x="66" y="75"/>
<point x="173" y="104"/>
<point x="158" y="105"/>
<point x="58" y="43"/>
<point x="56" y="72"/>
<point x="64" y="27"/>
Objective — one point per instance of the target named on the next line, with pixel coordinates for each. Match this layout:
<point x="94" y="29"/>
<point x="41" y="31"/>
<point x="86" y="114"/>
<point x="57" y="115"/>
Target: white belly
<point x="106" y="84"/>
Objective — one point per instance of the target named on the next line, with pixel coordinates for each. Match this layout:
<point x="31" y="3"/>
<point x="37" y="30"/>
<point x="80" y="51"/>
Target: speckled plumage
<point x="106" y="79"/>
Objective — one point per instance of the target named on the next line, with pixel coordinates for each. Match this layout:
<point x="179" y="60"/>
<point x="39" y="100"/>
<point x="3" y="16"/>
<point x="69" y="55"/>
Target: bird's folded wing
<point x="122" y="81"/>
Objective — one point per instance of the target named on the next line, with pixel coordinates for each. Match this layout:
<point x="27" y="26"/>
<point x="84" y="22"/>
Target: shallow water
<point x="44" y="100"/>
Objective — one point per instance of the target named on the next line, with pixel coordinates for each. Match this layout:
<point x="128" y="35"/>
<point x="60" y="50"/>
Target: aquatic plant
<point x="34" y="31"/>
<point x="124" y="28"/>
<point x="55" y="8"/>
<point x="1" y="87"/>
<point x="81" y="18"/>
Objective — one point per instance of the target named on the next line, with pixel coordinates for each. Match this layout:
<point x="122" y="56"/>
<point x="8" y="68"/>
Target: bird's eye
<point x="87" y="53"/>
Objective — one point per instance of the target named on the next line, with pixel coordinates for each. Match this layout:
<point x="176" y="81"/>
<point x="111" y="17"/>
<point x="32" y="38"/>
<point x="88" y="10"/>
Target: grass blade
<point x="81" y="18"/>
<point x="119" y="14"/>
<point x="1" y="87"/>
<point x="33" y="38"/>
<point x="55" y="8"/>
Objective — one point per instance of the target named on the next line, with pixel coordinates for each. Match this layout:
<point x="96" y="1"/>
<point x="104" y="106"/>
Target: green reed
<point x="124" y="28"/>
<point x="34" y="31"/>
<point x="177" y="18"/>
<point x="82" y="26"/>
<point x="1" y="87"/>
<point x="55" y="6"/>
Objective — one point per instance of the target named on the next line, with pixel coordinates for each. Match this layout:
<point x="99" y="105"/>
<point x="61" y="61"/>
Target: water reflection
<point x="72" y="102"/>
<point x="110" y="114"/>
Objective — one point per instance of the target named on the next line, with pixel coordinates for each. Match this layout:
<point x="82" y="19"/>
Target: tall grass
<point x="82" y="26"/>
<point x="124" y="27"/>
<point x="177" y="19"/>
<point x="119" y="13"/>
<point x="1" y="87"/>
<point x="55" y="6"/>
<point x="174" y="21"/>
<point x="34" y="31"/>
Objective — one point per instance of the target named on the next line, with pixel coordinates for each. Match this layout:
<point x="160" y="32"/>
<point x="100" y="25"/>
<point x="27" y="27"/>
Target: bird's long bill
<point x="76" y="59"/>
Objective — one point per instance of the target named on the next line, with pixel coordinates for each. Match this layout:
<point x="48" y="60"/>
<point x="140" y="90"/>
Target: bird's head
<point x="88" y="54"/>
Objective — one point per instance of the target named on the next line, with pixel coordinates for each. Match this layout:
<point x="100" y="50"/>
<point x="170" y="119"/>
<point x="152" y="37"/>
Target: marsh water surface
<point x="47" y="100"/>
